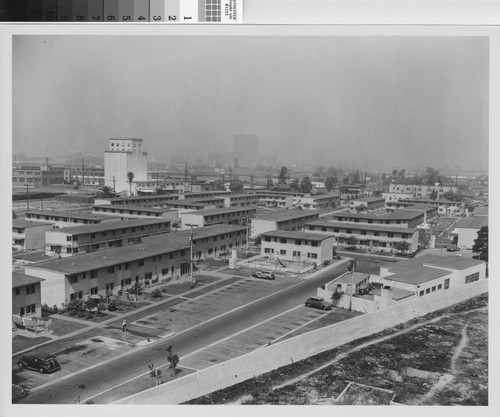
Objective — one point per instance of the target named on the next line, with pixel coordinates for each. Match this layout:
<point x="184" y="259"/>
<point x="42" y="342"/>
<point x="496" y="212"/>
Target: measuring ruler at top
<point x="122" y="11"/>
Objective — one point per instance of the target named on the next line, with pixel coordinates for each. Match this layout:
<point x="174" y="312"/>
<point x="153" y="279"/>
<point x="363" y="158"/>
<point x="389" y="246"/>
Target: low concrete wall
<point x="300" y="347"/>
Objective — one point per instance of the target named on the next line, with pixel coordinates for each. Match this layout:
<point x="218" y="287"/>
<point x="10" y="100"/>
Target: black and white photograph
<point x="260" y="215"/>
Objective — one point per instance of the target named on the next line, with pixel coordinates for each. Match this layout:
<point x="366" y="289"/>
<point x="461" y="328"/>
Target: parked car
<point x="317" y="302"/>
<point x="42" y="363"/>
<point x="452" y="248"/>
<point x="264" y="275"/>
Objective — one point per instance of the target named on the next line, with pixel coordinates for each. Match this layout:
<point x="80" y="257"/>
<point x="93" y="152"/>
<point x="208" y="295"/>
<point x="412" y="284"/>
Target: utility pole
<point x="352" y="267"/>
<point x="248" y="223"/>
<point x="83" y="173"/>
<point x="27" y="198"/>
<point x="114" y="188"/>
<point x="191" y="255"/>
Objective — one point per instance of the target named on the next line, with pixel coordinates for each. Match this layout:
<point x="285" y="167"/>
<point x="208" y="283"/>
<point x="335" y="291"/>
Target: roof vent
<point x="105" y="258"/>
<point x="74" y="264"/>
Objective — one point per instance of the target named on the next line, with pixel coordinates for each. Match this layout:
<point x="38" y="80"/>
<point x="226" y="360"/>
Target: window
<point x="421" y="293"/>
<point x="446" y="283"/>
<point x="298" y="242"/>
<point x="30" y="289"/>
<point x="93" y="274"/>
<point x="140" y="262"/>
<point x="428" y="290"/>
<point x="110" y="286"/>
<point x="313" y="255"/>
<point x="434" y="288"/>
<point x="111" y="269"/>
<point x="164" y="271"/>
<point x="73" y="279"/>
<point x="440" y="286"/>
<point x="31" y="309"/>
<point x="17" y="291"/>
<point x="84" y="275"/>
<point x="148" y="275"/>
<point x="472" y="278"/>
<point x="92" y="235"/>
<point x="282" y="252"/>
<point x="314" y="244"/>
<point x="68" y="238"/>
<point x="267" y="239"/>
<point x="296" y="253"/>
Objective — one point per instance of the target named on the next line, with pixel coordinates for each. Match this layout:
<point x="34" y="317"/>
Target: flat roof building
<point x="230" y="215"/>
<point x="28" y="235"/>
<point x="297" y="246"/>
<point x="466" y="229"/>
<point x="131" y="211"/>
<point x="84" y="239"/>
<point x="67" y="218"/>
<point x="399" y="218"/>
<point x="26" y="295"/>
<point x="291" y="220"/>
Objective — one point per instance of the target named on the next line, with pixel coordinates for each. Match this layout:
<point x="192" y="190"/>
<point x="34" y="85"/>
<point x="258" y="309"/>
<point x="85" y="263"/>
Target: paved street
<point x="98" y="380"/>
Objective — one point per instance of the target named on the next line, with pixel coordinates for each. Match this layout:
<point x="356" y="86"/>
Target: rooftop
<point x="481" y="211"/>
<point x="80" y="215"/>
<point x="223" y="210"/>
<point x="396" y="215"/>
<point x="397" y="293"/>
<point x="472" y="222"/>
<point x="348" y="278"/>
<point x="143" y="197"/>
<point x="287" y="215"/>
<point x="198" y="233"/>
<point x="420" y="206"/>
<point x="20" y="279"/>
<point x="360" y="226"/>
<point x="130" y="207"/>
<point x="31" y="256"/>
<point x="25" y="224"/>
<point x="421" y="262"/>
<point x="109" y="257"/>
<point x="315" y="237"/>
<point x="368" y="199"/>
<point x="100" y="227"/>
<point x="418" y="276"/>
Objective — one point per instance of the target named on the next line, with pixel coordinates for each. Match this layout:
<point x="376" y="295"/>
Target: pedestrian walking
<point x="124" y="325"/>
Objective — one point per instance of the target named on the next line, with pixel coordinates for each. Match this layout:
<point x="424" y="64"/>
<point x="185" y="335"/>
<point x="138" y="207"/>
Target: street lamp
<point x="352" y="267"/>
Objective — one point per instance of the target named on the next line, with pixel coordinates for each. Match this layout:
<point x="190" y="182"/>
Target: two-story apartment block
<point x="130" y="211"/>
<point x="297" y="246"/>
<point x="144" y="200"/>
<point x="368" y="203"/>
<point x="84" y="239"/>
<point x="420" y="191"/>
<point x="241" y="200"/>
<point x="319" y="202"/>
<point x="443" y="205"/>
<point x="400" y="218"/>
<point x="209" y="241"/>
<point x="370" y="236"/>
<point x="61" y="218"/>
<point x="290" y="220"/>
<point x="230" y="215"/>
<point x="466" y="230"/>
<point x="26" y="295"/>
<point x="28" y="235"/>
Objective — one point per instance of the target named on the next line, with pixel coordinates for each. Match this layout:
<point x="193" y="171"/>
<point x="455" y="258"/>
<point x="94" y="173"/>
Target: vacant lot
<point x="437" y="359"/>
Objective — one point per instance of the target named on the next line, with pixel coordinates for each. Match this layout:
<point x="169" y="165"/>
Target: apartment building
<point x="131" y="211"/>
<point x="297" y="246"/>
<point x="290" y="220"/>
<point x="230" y="215"/>
<point x="109" y="270"/>
<point x="26" y="295"/>
<point x="142" y="200"/>
<point x="241" y="200"/>
<point x="370" y="236"/>
<point x="368" y="203"/>
<point x="420" y="191"/>
<point x="399" y="218"/>
<point x="84" y="239"/>
<point x="466" y="229"/>
<point x="68" y="218"/>
<point x="28" y="235"/>
<point x="319" y="202"/>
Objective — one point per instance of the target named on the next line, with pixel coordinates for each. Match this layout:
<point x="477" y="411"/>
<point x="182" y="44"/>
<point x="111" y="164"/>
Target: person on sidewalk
<point x="124" y="325"/>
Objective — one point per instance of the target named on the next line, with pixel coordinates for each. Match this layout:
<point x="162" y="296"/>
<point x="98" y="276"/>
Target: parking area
<point x="291" y="323"/>
<point x="214" y="301"/>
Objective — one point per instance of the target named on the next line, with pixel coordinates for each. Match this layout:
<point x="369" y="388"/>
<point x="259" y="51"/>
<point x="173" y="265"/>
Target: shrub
<point x="156" y="293"/>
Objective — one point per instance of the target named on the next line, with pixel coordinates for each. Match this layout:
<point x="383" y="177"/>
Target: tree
<point x="431" y="175"/>
<point x="160" y="191"/>
<point x="219" y="186"/>
<point x="452" y="196"/>
<point x="269" y="183"/>
<point x="294" y="186"/>
<point x="402" y="246"/>
<point x="361" y="208"/>
<point x="236" y="185"/>
<point x="433" y="195"/>
<point x="106" y="192"/>
<point x="306" y="185"/>
<point x="394" y="174"/>
<point x="329" y="183"/>
<point x="283" y="175"/>
<point x="401" y="176"/>
<point x="423" y="238"/>
<point x="130" y="176"/>
<point x="351" y="242"/>
<point x="480" y="247"/>
<point x="173" y="359"/>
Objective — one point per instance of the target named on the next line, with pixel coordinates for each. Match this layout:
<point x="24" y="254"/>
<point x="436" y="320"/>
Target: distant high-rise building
<point x="246" y="150"/>
<point x="124" y="156"/>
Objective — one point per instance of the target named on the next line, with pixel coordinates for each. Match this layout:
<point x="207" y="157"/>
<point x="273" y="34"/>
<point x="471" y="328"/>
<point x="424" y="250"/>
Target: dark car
<point x="317" y="302"/>
<point x="452" y="248"/>
<point x="264" y="275"/>
<point x="42" y="363"/>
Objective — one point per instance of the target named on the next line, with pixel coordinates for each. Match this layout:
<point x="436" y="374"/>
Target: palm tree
<point x="106" y="192"/>
<point x="130" y="176"/>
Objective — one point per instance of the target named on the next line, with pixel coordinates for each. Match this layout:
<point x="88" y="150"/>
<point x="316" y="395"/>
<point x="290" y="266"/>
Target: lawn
<point x="61" y="327"/>
<point x="20" y="343"/>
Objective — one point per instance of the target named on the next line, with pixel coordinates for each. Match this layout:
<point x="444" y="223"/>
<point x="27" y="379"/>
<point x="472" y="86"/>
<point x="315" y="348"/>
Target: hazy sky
<point x="382" y="101"/>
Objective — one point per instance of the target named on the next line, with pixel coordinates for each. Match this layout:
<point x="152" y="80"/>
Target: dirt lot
<point x="437" y="359"/>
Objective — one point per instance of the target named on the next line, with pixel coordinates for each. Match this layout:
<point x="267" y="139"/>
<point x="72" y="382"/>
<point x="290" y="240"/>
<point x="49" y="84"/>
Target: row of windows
<point x="226" y="215"/>
<point x="293" y="221"/>
<point x="472" y="278"/>
<point x="30" y="289"/>
<point x="131" y="212"/>
<point x="113" y="232"/>
<point x="362" y="232"/>
<point x="57" y="218"/>
<point x="296" y="241"/>
<point x="30" y="309"/>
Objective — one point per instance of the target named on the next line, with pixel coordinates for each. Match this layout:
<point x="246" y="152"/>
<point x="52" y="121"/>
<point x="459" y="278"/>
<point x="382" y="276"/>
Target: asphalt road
<point x="97" y="381"/>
